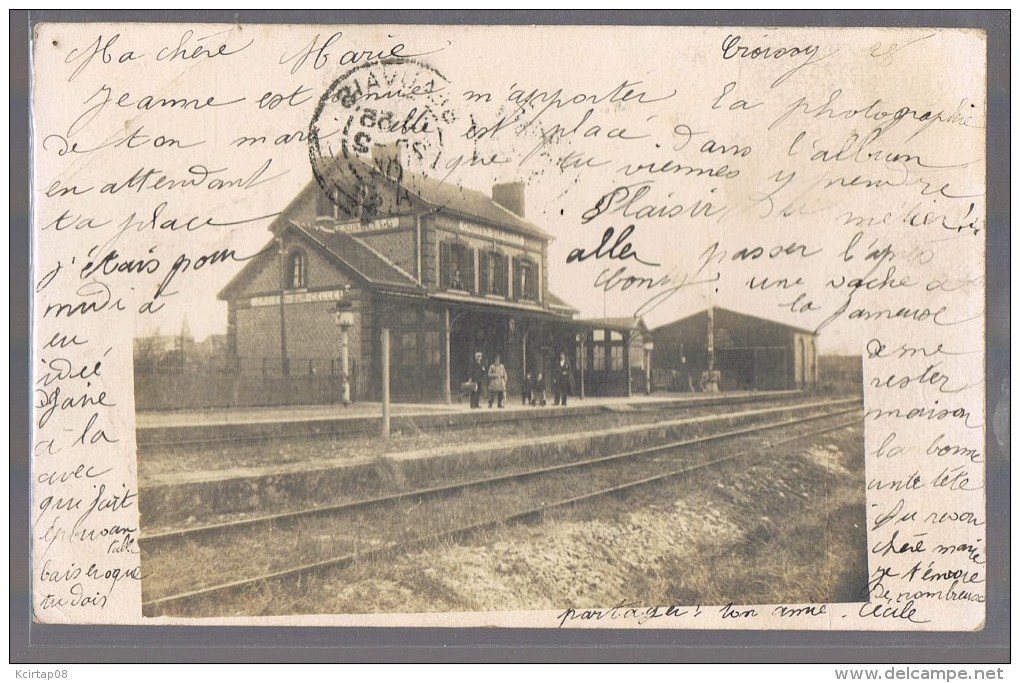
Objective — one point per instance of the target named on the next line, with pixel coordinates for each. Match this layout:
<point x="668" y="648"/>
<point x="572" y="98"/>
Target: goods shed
<point x="718" y="349"/>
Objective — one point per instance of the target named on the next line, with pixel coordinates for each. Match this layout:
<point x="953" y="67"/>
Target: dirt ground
<point x="786" y="525"/>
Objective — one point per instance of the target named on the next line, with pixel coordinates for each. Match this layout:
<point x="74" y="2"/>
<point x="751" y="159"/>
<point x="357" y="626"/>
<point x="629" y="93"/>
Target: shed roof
<point x="728" y="312"/>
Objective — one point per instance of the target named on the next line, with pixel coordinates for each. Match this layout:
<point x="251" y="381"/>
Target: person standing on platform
<point x="497" y="382"/>
<point x="526" y="390"/>
<point x="538" y="390"/>
<point x="562" y="378"/>
<point x="477" y="378"/>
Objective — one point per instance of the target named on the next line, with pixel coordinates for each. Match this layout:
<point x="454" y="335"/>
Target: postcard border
<point x="45" y="643"/>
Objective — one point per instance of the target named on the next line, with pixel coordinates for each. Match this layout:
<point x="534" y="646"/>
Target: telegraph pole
<point x="283" y="317"/>
<point x="386" y="383"/>
<point x="447" y="379"/>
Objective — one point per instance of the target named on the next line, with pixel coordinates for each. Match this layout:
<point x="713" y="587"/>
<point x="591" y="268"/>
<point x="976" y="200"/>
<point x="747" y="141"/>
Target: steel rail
<point x="445" y="489"/>
<point x="460" y="532"/>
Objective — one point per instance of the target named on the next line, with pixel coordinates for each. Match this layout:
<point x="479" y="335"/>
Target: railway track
<point x="371" y="528"/>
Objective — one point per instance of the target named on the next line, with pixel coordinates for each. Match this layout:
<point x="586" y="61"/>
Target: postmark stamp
<point x="375" y="125"/>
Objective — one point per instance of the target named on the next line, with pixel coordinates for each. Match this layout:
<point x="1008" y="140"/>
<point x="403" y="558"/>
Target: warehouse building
<point x="448" y="270"/>
<point x="721" y="350"/>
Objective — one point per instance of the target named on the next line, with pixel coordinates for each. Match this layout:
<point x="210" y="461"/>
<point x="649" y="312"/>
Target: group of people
<point x="494" y="380"/>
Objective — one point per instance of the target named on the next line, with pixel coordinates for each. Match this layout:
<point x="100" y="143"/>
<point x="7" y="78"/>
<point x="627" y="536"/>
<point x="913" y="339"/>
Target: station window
<point x="431" y="344"/>
<point x="525" y="279"/>
<point x="297" y="270"/>
<point x="600" y="356"/>
<point x="456" y="266"/>
<point x="492" y="273"/>
<point x="408" y="349"/>
<point x="616" y="358"/>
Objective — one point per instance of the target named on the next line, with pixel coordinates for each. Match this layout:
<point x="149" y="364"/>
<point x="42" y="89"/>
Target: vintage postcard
<point x="559" y="327"/>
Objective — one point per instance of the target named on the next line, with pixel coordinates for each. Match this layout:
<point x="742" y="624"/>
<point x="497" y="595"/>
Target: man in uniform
<point x="478" y="376"/>
<point x="561" y="379"/>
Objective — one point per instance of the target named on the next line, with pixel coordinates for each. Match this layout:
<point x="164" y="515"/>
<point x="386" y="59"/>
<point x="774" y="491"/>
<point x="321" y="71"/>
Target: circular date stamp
<point x="375" y="126"/>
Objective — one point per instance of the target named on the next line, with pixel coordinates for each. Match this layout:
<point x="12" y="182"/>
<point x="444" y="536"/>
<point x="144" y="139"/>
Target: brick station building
<point x="448" y="270"/>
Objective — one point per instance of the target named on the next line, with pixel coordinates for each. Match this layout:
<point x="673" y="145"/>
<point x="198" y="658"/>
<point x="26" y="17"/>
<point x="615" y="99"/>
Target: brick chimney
<point x="510" y="196"/>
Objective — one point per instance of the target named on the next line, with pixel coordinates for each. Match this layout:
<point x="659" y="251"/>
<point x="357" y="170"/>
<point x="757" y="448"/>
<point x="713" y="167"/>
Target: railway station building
<point x="447" y="270"/>
<point x="719" y="349"/>
<point x="612" y="356"/>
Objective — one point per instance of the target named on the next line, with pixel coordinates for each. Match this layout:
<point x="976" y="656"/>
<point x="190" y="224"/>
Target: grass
<point x="690" y="541"/>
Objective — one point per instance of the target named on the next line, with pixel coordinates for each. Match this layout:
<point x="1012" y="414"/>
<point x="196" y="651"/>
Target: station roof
<point x="372" y="266"/>
<point x="627" y="323"/>
<point x="559" y="304"/>
<point x="347" y="250"/>
<point x="378" y="272"/>
<point x="470" y="204"/>
<point x="735" y="314"/>
<point x="441" y="196"/>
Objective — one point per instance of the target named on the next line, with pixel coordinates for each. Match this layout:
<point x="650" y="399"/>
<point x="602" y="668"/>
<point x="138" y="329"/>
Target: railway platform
<point x="173" y="498"/>
<point x="167" y="427"/>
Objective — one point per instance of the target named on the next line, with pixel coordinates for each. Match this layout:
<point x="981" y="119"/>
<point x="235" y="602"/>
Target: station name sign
<point x="299" y="298"/>
<point x="485" y="232"/>
<point x="388" y="223"/>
